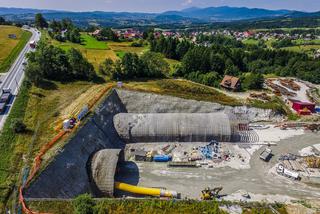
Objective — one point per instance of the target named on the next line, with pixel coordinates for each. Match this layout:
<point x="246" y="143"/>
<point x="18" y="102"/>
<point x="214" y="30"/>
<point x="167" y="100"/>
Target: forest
<point x="215" y="56"/>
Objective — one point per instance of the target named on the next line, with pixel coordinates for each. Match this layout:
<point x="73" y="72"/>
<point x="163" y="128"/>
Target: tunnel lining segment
<point x="103" y="168"/>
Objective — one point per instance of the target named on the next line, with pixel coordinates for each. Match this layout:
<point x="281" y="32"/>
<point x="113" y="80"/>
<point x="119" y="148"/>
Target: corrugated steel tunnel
<point x="176" y="127"/>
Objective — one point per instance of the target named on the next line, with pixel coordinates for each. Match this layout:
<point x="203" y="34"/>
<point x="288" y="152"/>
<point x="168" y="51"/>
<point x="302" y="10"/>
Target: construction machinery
<point x="281" y="170"/>
<point x="266" y="155"/>
<point x="210" y="194"/>
<point x="313" y="161"/>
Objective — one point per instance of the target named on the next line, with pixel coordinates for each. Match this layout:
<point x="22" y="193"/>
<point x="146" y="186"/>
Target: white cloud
<point x="187" y="2"/>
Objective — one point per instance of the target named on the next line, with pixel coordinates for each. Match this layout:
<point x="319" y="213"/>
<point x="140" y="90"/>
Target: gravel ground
<point x="256" y="180"/>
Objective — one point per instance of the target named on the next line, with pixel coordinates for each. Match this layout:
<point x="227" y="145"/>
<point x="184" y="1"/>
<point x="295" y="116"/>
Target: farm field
<point x="10" y="48"/>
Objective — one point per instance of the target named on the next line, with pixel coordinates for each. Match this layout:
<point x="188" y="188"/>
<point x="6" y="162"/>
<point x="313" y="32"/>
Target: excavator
<point x="210" y="194"/>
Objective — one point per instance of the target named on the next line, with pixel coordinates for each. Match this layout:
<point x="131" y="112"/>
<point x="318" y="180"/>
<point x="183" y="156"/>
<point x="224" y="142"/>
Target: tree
<point x="253" y="81"/>
<point x="83" y="204"/>
<point x="40" y="21"/>
<point x="74" y="35"/>
<point x="80" y="67"/>
<point x="107" y="67"/>
<point x="155" y="64"/>
<point x="18" y="126"/>
<point x="34" y="73"/>
<point x="108" y="34"/>
<point x="2" y="20"/>
<point x="53" y="63"/>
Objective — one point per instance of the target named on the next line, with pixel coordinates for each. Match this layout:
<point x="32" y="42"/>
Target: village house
<point x="230" y="83"/>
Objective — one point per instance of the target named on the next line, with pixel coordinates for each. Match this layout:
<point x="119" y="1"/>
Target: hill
<point x="187" y="16"/>
<point x="228" y="13"/>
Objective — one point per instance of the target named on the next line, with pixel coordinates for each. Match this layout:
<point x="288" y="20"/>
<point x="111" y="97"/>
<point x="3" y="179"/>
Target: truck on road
<point x="281" y="170"/>
<point x="32" y="44"/>
<point x="5" y="98"/>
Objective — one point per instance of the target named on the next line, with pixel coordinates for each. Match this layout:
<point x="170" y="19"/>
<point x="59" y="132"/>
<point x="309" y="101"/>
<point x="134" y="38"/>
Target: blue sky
<point x="158" y="5"/>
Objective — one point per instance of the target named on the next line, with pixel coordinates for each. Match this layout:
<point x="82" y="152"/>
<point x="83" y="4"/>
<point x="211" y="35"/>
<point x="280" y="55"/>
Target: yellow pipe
<point x="145" y="190"/>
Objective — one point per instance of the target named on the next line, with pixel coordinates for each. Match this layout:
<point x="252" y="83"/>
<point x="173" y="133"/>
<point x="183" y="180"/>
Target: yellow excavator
<point x="210" y="194"/>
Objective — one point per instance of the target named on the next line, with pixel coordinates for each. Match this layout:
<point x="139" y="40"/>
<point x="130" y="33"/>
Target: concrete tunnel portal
<point x="75" y="167"/>
<point x="163" y="127"/>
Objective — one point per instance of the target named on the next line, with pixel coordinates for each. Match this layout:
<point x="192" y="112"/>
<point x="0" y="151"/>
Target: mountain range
<point x="186" y="16"/>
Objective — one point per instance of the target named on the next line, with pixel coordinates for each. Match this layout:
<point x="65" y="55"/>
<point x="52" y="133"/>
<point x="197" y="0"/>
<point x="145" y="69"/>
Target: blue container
<point x="317" y="109"/>
<point x="161" y="158"/>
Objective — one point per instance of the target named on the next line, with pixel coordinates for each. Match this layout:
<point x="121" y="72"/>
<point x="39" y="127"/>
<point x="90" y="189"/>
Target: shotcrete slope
<point x="67" y="175"/>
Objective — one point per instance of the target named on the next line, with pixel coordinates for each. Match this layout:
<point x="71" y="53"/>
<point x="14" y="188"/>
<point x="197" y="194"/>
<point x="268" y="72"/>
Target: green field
<point x="90" y="42"/>
<point x="97" y="51"/>
<point x="10" y="48"/>
<point x="250" y="41"/>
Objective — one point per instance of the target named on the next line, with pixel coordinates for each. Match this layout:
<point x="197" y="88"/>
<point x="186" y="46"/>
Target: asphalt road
<point x="13" y="78"/>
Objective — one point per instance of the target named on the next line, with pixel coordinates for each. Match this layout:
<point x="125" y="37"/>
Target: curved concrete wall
<point x="173" y="127"/>
<point x="103" y="168"/>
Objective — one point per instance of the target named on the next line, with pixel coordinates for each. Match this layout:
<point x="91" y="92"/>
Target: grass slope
<point x="10" y="148"/>
<point x="39" y="108"/>
<point x="10" y="48"/>
<point x="183" y="89"/>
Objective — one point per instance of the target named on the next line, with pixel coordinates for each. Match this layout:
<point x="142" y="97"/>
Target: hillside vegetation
<point x="96" y="51"/>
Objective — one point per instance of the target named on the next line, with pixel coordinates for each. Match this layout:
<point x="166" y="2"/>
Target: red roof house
<point x="302" y="108"/>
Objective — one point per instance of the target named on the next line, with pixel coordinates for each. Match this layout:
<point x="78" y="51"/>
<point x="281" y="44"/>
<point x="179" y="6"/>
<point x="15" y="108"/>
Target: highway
<point x="14" y="77"/>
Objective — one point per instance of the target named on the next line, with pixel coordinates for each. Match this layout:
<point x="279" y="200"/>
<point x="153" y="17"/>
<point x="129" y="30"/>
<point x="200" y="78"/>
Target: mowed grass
<point x="125" y="47"/>
<point x="90" y="42"/>
<point x="183" y="89"/>
<point x="39" y="108"/>
<point x="10" y="48"/>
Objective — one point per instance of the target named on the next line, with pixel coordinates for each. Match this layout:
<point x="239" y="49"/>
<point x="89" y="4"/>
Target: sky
<point x="158" y="5"/>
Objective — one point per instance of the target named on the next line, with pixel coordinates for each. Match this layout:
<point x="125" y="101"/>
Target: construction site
<point x="141" y="145"/>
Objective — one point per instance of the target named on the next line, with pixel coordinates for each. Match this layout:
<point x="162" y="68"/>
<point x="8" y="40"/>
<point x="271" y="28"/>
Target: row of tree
<point x="107" y="34"/>
<point x="64" y="30"/>
<point x="131" y="66"/>
<point x="53" y="63"/>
